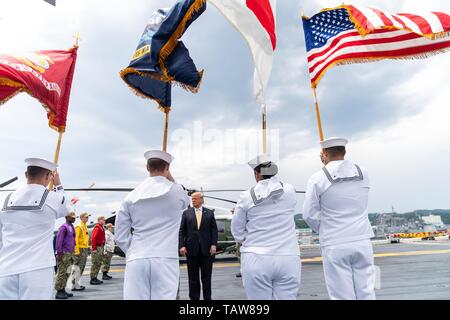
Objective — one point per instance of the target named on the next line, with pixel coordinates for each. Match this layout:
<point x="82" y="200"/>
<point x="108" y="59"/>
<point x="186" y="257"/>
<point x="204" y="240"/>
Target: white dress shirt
<point x="336" y="203"/>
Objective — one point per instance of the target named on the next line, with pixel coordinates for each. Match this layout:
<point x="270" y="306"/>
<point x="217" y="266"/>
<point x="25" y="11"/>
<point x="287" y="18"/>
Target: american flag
<point x="353" y="34"/>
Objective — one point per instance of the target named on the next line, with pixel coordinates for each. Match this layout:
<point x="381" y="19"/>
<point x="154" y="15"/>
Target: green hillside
<point x="444" y="213"/>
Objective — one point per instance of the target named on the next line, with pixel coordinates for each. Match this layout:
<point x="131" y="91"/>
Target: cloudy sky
<point x="394" y="113"/>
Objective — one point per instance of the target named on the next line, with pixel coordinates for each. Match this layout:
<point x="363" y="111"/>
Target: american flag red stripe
<point x="339" y="42"/>
<point x="400" y="21"/>
<point x="392" y="54"/>
<point x="386" y="20"/>
<point x="367" y="48"/>
<point x="422" y="23"/>
<point x="426" y="24"/>
<point x="371" y="35"/>
<point x="365" y="42"/>
<point x="444" y="18"/>
<point x="361" y="18"/>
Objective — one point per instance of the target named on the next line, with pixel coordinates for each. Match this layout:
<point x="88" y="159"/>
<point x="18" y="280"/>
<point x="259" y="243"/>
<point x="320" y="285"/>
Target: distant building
<point x="433" y="223"/>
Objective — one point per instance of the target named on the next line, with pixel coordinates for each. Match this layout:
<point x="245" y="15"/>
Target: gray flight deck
<point x="408" y="271"/>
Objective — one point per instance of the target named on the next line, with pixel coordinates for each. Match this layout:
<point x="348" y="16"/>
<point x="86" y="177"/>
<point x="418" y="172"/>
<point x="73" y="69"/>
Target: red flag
<point x="45" y="75"/>
<point x="74" y="201"/>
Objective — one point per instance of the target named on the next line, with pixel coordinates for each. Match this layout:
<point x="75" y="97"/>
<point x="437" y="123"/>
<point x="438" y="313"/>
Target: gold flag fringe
<point x="10" y="83"/>
<point x="138" y="93"/>
<point x="191" y="88"/>
<point x="440" y="35"/>
<point x="170" y="45"/>
<point x="157" y="76"/>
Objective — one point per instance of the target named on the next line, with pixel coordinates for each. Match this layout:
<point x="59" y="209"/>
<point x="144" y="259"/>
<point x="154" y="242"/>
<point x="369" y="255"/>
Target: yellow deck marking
<point x="319" y="259"/>
<point x="411" y="253"/>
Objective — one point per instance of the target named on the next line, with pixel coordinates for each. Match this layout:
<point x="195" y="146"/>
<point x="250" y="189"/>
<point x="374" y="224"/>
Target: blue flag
<point x="161" y="59"/>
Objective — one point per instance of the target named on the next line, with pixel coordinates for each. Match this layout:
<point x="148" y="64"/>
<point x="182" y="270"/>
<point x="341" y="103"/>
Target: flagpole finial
<point x="302" y="14"/>
<point x="77" y="40"/>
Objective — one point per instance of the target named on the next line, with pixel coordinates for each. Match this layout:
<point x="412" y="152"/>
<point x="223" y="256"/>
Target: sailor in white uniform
<point x="336" y="207"/>
<point x="263" y="222"/>
<point x="146" y="229"/>
<point x="27" y="223"/>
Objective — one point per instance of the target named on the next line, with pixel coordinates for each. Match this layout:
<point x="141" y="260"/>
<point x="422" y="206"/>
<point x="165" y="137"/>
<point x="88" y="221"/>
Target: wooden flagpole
<point x="319" y="121"/>
<point x="316" y="103"/>
<point x="58" y="148"/>
<point x="60" y="133"/>
<point x="166" y="128"/>
<point x="57" y="152"/>
<point x="264" y="128"/>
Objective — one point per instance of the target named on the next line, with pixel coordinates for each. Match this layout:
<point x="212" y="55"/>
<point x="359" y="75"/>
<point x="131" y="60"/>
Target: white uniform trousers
<point x="33" y="285"/>
<point x="151" y="279"/>
<point x="349" y="271"/>
<point x="267" y="277"/>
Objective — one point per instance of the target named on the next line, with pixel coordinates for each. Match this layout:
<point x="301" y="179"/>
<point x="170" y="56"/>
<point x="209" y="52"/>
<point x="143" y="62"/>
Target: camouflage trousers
<point x="107" y="262"/>
<point x="64" y="268"/>
<point x="97" y="261"/>
<point x="79" y="262"/>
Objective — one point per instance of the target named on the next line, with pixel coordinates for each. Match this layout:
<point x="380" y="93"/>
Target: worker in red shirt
<point x="98" y="243"/>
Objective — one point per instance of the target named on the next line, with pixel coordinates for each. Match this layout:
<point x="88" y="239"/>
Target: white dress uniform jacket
<point x="146" y="229"/>
<point x="27" y="223"/>
<point x="336" y="203"/>
<point x="263" y="223"/>
<point x="335" y="206"/>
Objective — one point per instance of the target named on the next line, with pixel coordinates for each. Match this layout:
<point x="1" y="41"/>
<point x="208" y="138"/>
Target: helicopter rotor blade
<point x="236" y="190"/>
<point x="120" y="189"/>
<point x="220" y="199"/>
<point x="102" y="189"/>
<point x="6" y="183"/>
<point x="225" y="190"/>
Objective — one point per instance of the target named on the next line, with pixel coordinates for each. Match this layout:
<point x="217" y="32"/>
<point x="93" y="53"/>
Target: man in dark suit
<point x="198" y="242"/>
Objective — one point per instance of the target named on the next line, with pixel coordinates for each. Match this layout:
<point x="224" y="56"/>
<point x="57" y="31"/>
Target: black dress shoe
<point x="69" y="295"/>
<point x="61" y="295"/>
<point x="239" y="275"/>
<point x="95" y="281"/>
<point x="81" y="288"/>
<point x="106" y="276"/>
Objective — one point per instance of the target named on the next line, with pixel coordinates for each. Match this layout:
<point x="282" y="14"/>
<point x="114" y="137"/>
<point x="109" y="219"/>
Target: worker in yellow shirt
<point x="81" y="251"/>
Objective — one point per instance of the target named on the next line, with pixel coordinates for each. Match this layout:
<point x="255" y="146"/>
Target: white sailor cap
<point x="42" y="163"/>
<point x="334" y="142"/>
<point x="158" y="154"/>
<point x="270" y="168"/>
